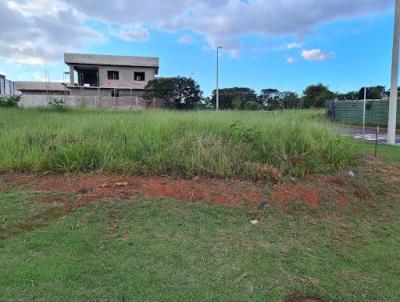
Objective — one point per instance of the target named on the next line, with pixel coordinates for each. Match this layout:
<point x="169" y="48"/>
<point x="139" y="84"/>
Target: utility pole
<point x="395" y="74"/>
<point x="364" y="112"/>
<point x="217" y="89"/>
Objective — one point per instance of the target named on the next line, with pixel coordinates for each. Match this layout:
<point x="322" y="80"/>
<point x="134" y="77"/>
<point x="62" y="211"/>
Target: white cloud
<point x="130" y="33"/>
<point x="55" y="26"/>
<point x="33" y="35"/>
<point x="316" y="55"/>
<point x="290" y="60"/>
<point x="234" y="53"/>
<point x="185" y="39"/>
<point x="294" y="45"/>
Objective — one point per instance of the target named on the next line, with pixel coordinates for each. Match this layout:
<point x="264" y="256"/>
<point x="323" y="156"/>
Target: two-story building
<point x="98" y="75"/>
<point x="110" y="75"/>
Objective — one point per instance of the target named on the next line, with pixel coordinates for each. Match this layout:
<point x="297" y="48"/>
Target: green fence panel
<point x="352" y="112"/>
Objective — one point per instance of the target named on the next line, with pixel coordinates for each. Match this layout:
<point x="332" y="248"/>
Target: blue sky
<point x="338" y="44"/>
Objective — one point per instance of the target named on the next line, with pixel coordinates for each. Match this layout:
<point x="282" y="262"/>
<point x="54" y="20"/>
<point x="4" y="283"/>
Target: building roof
<point x="40" y="86"/>
<point x="108" y="60"/>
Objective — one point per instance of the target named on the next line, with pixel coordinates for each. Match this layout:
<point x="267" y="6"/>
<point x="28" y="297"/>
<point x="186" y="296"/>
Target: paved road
<point x="370" y="133"/>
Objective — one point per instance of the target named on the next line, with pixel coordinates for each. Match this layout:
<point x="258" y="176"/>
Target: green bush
<point x="11" y="101"/>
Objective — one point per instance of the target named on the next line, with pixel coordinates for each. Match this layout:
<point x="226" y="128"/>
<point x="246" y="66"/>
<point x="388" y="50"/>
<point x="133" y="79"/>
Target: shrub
<point x="11" y="101"/>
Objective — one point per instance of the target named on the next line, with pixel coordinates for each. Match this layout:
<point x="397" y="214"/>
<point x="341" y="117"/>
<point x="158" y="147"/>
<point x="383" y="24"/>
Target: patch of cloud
<point x="224" y="22"/>
<point x="39" y="36"/>
<point x="128" y="33"/>
<point x="290" y="60"/>
<point x="234" y="53"/>
<point x="185" y="39"/>
<point x="316" y="55"/>
<point x="294" y="45"/>
<point x="37" y="7"/>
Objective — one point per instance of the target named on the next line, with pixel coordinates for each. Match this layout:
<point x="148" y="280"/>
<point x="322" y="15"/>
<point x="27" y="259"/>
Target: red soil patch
<point x="338" y="181"/>
<point x="93" y="187"/>
<point x="314" y="189"/>
<point x="341" y="198"/>
<point x="8" y="180"/>
<point x="289" y="193"/>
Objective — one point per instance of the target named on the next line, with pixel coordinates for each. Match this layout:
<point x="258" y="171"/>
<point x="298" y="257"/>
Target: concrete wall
<point x="126" y="76"/>
<point x="124" y="102"/>
<point x="77" y="91"/>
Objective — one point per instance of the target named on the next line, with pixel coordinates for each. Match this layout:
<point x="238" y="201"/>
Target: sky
<point x="283" y="44"/>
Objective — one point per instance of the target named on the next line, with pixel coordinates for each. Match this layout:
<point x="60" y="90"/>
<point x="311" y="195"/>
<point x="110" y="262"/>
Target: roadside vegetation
<point x="256" y="145"/>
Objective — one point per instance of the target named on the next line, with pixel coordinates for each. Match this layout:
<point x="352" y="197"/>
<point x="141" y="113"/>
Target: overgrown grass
<point x="219" y="144"/>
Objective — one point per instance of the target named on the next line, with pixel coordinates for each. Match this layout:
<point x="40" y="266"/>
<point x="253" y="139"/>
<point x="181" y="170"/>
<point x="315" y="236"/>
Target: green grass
<point x="387" y="152"/>
<point x="163" y="250"/>
<point x="219" y="144"/>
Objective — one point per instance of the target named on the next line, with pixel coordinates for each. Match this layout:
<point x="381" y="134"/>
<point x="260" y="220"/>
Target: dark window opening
<point x="88" y="76"/>
<point x="115" y="93"/>
<point x="139" y="76"/>
<point x="113" y="75"/>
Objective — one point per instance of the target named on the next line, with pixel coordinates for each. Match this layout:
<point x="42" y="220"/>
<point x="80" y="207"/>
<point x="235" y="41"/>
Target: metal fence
<point x="351" y="112"/>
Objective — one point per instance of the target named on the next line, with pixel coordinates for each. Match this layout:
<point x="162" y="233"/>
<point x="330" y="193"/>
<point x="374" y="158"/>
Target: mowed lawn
<point x="162" y="249"/>
<point x="166" y="250"/>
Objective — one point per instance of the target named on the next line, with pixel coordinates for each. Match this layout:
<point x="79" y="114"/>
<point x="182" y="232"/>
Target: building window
<point x="139" y="76"/>
<point x="113" y="75"/>
<point x="114" y="93"/>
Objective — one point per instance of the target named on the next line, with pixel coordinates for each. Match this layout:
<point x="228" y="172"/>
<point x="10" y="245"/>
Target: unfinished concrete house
<point x="112" y="75"/>
<point x="96" y="81"/>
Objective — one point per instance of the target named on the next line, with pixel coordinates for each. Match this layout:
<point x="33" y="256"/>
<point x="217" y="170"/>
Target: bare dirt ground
<point x="313" y="190"/>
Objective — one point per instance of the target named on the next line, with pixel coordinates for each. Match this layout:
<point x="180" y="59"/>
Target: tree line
<point x="185" y="93"/>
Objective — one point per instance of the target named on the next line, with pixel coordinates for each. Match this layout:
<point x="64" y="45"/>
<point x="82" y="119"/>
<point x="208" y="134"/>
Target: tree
<point x="239" y="98"/>
<point x="290" y="100"/>
<point x="315" y="96"/>
<point x="349" y="96"/>
<point x="373" y="93"/>
<point x="270" y="98"/>
<point x="273" y="99"/>
<point x="176" y="92"/>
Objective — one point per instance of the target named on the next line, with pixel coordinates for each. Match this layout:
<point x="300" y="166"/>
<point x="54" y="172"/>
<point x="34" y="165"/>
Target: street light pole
<point x="217" y="89"/>
<point x="395" y="74"/>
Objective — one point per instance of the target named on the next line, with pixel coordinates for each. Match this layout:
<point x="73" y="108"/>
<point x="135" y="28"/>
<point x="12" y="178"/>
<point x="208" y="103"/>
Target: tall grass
<point x="220" y="144"/>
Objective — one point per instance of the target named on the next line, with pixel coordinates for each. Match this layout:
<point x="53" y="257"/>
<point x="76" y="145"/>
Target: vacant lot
<point x="254" y="145"/>
<point x="177" y="227"/>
